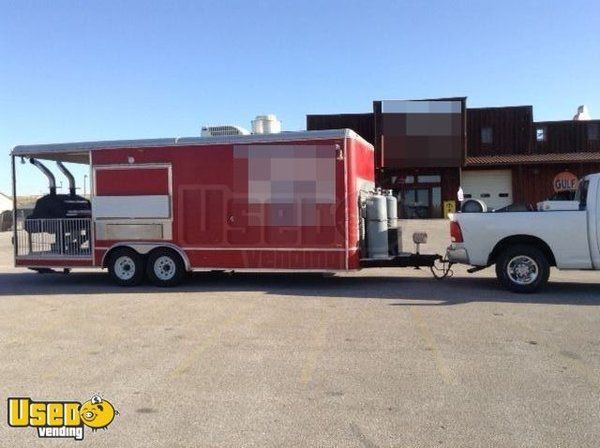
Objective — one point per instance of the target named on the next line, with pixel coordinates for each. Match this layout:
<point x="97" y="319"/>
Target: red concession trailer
<point x="159" y="208"/>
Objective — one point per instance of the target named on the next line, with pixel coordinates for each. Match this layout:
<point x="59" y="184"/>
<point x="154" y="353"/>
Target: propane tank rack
<point x="381" y="237"/>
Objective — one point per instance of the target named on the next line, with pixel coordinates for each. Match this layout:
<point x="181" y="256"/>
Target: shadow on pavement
<point x="405" y="291"/>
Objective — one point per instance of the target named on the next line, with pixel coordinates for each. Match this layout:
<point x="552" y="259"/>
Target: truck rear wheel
<point x="126" y="267"/>
<point x="522" y="268"/>
<point x="165" y="267"/>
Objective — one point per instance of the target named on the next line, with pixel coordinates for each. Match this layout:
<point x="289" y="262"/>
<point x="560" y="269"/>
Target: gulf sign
<point x="565" y="181"/>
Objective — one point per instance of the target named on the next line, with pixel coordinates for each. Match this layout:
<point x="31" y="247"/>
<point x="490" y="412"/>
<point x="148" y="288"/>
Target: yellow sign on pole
<point x="449" y="207"/>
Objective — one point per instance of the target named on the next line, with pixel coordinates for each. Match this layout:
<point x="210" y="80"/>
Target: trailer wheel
<point x="522" y="268"/>
<point x="165" y="267"/>
<point x="126" y="267"/>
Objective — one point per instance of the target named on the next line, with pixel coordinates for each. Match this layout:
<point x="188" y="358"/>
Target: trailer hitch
<point x="443" y="270"/>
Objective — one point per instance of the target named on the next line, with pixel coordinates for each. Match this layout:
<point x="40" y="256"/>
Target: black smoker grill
<point x="66" y="216"/>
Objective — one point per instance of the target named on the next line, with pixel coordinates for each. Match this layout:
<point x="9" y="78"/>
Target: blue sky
<point x="89" y="70"/>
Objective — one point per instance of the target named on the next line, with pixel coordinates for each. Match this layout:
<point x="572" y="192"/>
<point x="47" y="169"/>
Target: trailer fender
<point x="145" y="248"/>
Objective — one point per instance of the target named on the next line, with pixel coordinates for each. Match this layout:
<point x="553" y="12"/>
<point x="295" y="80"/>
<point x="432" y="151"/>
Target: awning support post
<point x="14" y="192"/>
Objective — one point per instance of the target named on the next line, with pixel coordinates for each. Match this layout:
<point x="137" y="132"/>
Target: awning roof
<point x="78" y="152"/>
<point x="530" y="159"/>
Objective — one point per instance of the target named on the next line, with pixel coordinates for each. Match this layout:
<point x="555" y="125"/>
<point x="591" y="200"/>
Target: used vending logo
<point x="61" y="419"/>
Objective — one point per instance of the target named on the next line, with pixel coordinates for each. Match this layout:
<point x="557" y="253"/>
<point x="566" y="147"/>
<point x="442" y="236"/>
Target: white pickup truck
<point x="524" y="245"/>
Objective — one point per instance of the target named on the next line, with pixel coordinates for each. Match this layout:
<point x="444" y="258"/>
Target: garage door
<point x="494" y="187"/>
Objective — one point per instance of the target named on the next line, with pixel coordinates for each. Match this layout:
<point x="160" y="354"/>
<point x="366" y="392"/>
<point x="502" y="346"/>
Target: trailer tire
<point x="522" y="268"/>
<point x="126" y="267"/>
<point x="165" y="267"/>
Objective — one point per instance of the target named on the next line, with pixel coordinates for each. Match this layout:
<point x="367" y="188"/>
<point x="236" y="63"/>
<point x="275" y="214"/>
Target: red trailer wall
<point x="269" y="205"/>
<point x="361" y="172"/>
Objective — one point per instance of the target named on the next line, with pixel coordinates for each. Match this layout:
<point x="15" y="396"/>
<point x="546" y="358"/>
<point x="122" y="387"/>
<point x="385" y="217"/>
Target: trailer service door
<point x="132" y="202"/>
<point x="494" y="187"/>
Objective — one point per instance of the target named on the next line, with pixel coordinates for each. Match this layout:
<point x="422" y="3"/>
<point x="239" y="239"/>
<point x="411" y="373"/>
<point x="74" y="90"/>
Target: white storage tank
<point x="377" y="226"/>
<point x="394" y="232"/>
<point x="266" y="124"/>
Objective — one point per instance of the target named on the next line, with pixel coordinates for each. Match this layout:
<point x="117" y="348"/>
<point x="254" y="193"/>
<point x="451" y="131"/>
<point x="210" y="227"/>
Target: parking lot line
<point x="430" y="344"/>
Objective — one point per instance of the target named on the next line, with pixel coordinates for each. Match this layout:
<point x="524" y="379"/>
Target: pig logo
<point x="97" y="413"/>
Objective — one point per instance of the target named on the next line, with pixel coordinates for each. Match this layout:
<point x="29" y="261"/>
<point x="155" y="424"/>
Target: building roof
<point x="528" y="159"/>
<point x="78" y="150"/>
<point x="522" y="106"/>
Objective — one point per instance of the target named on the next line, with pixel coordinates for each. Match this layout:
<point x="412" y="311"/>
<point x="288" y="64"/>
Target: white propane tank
<point x="392" y="208"/>
<point x="266" y="124"/>
<point x="394" y="238"/>
<point x="362" y="223"/>
<point x="377" y="226"/>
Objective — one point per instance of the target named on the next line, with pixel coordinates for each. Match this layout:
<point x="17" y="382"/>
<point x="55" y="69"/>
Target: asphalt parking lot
<point x="377" y="358"/>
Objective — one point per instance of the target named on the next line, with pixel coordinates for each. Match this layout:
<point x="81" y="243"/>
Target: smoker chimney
<point x="47" y="172"/>
<point x="69" y="177"/>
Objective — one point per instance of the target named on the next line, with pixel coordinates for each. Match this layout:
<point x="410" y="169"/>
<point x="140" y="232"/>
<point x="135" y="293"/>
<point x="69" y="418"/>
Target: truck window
<point x="582" y="193"/>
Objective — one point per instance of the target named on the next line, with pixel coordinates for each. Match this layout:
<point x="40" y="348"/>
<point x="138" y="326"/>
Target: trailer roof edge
<point x="24" y="150"/>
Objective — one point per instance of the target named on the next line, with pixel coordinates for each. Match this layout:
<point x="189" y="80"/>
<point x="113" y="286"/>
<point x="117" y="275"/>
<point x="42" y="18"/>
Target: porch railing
<point x="54" y="237"/>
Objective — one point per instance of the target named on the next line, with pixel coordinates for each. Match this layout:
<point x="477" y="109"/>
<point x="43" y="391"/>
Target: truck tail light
<point x="455" y="232"/>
